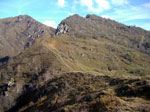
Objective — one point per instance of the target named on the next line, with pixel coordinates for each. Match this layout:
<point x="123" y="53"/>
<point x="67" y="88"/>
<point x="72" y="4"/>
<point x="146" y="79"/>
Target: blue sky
<point x="51" y="12"/>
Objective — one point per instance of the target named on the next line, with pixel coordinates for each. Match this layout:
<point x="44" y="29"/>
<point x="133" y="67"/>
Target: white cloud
<point x="61" y="3"/>
<point x="95" y="6"/>
<point x="105" y="16"/>
<point x="75" y="2"/>
<point x="103" y="4"/>
<point x="50" y="23"/>
<point x="70" y="14"/>
<point x="146" y="5"/>
<point x="130" y="13"/>
<point x="120" y="2"/>
<point x="88" y="3"/>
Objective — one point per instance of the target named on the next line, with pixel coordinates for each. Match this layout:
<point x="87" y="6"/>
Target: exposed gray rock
<point x="62" y="28"/>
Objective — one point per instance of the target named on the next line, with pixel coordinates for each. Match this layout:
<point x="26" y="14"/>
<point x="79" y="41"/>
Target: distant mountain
<point x="18" y="33"/>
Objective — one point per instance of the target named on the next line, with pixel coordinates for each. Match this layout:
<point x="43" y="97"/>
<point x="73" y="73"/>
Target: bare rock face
<point x="62" y="28"/>
<point x="73" y="25"/>
<point x="19" y="33"/>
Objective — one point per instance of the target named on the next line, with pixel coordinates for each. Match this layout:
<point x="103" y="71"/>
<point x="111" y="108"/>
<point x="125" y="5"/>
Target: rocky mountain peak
<point x="19" y="33"/>
<point x="75" y="16"/>
<point x="24" y="18"/>
<point x="64" y="26"/>
<point x="92" y="16"/>
<point x="100" y="28"/>
<point x="98" y="18"/>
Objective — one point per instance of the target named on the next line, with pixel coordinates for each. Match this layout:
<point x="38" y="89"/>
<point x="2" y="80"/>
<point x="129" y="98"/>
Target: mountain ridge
<point x="98" y="27"/>
<point x="84" y="65"/>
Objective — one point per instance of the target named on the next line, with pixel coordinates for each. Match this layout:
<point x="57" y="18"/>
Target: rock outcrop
<point x="62" y="28"/>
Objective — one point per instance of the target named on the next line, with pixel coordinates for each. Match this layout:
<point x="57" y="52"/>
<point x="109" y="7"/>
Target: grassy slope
<point x="90" y="55"/>
<point x="50" y="57"/>
<point x="66" y="53"/>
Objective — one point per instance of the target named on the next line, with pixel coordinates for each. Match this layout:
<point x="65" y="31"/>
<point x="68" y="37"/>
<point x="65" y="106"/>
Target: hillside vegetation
<point x="91" y="65"/>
